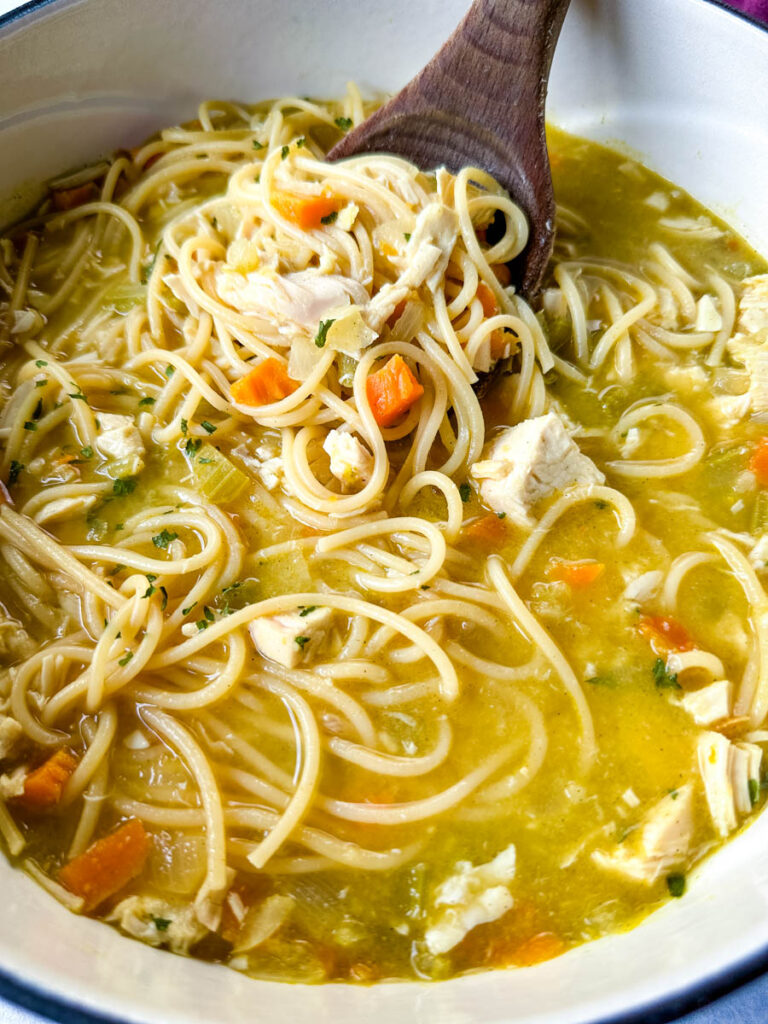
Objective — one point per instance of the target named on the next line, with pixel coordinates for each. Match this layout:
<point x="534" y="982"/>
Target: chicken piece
<point x="66" y="508"/>
<point x="15" y="641"/>
<point x="710" y="704"/>
<point x="120" y="441"/>
<point x="658" y="844"/>
<point x="530" y="462"/>
<point x="471" y="896"/>
<point x="290" y="638"/>
<point x="12" y="783"/>
<point x="428" y="252"/>
<point x="265" y="462"/>
<point x="750" y="344"/>
<point x="10" y="733"/>
<point x="159" y="922"/>
<point x="351" y="462"/>
<point x="708" y="316"/>
<point x="726" y="783"/>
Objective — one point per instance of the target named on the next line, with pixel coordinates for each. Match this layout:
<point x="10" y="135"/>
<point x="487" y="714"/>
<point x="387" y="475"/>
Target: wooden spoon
<point x="480" y="102"/>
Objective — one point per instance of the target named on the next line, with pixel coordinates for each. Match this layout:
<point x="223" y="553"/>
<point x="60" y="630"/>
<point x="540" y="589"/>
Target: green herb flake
<point x="330" y="218"/>
<point x="151" y="576"/>
<point x="170" y="370"/>
<point x="301" y="142"/>
<point x="302" y="641"/>
<point x="232" y="586"/>
<point x="13" y="474"/>
<point x="161" y="923"/>
<point x="608" y="681"/>
<point x="208" y="614"/>
<point x="184" y="427"/>
<point x="39" y="363"/>
<point x="78" y="396"/>
<point x="501" y="515"/>
<point x="192" y="447"/>
<point x="164" y="602"/>
<point x="345" y="123"/>
<point x="126" y="658"/>
<point x="754" y="791"/>
<point x="87" y="452"/>
<point x="163" y="539"/>
<point x="284" y="152"/>
<point x="30" y="425"/>
<point x="465" y="492"/>
<point x="407" y="236"/>
<point x="149" y="591"/>
<point x="115" y="570"/>
<point x="676" y="885"/>
<point x="257" y="144"/>
<point x="322" y="332"/>
<point x="123" y="485"/>
<point x="664" y="680"/>
<point x="147" y="401"/>
<point x="307" y="610"/>
<point x="201" y="624"/>
<point x="41" y="383"/>
<point x="186" y="611"/>
<point x="208" y="427"/>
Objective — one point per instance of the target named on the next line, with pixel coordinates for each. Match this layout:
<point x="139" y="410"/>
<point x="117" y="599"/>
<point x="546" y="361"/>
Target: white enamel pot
<point x="683" y="85"/>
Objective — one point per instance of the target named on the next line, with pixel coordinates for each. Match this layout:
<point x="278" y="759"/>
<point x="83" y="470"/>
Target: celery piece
<point x="124" y="296"/>
<point x="217" y="478"/>
<point x="759" y="522"/>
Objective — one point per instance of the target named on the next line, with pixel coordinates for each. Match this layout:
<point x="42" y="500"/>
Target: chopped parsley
<point x="302" y="641"/>
<point x="147" y="401"/>
<point x="232" y="586"/>
<point x="87" y="452"/>
<point x="41" y="383"/>
<point x="345" y="123"/>
<point x="307" y="610"/>
<point x="170" y="370"/>
<point x="123" y="485"/>
<point x="13" y="475"/>
<point x="163" y="539"/>
<point x="208" y="427"/>
<point x="664" y="680"/>
<point x="501" y="515"/>
<point x="184" y="426"/>
<point x="407" y="236"/>
<point x="40" y="363"/>
<point x="78" y="396"/>
<point x="754" y="791"/>
<point x="284" y="152"/>
<point x="257" y="144"/>
<point x="201" y="625"/>
<point x="602" y="681"/>
<point x="30" y="425"/>
<point x="161" y="923"/>
<point x="330" y="218"/>
<point x="464" y="492"/>
<point x="126" y="658"/>
<point x="164" y="602"/>
<point x="301" y="142"/>
<point x="150" y="590"/>
<point x="322" y="332"/>
<point x="186" y="611"/>
<point x="192" y="447"/>
<point x="208" y="613"/>
<point x="676" y="885"/>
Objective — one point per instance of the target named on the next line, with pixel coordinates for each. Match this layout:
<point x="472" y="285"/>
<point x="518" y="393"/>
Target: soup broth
<point x="422" y="698"/>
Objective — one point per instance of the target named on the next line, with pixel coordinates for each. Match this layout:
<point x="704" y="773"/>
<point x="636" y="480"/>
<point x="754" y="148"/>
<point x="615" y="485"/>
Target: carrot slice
<point x="538" y="948"/>
<point x="266" y="383"/>
<point x="392" y="391"/>
<point x="69" y="198"/>
<point x="487" y="531"/>
<point x="43" y="786"/>
<point x="487" y="299"/>
<point x="307" y="212"/>
<point x="578" y="575"/>
<point x="107" y="865"/>
<point x="665" y="634"/>
<point x="759" y="462"/>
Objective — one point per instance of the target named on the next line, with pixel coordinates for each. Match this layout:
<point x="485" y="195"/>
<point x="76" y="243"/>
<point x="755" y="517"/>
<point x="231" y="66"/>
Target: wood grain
<point x="480" y="101"/>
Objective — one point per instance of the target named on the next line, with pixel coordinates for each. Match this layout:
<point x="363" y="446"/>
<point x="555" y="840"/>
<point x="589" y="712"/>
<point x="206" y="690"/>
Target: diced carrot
<point x="759" y="462"/>
<point x="503" y="274"/>
<point x="487" y="531"/>
<point x="665" y="634"/>
<point x="43" y="786"/>
<point x="392" y="391"/>
<point x="107" y="865"/>
<point x="69" y="198"/>
<point x="538" y="948"/>
<point x="266" y="383"/>
<point x="307" y="212"/>
<point x="578" y="575"/>
<point x="487" y="299"/>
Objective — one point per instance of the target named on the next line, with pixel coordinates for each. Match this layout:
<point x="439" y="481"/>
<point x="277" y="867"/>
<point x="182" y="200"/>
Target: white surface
<point x="677" y="80"/>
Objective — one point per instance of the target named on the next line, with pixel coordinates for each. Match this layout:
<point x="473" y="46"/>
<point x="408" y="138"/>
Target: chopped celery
<point x="124" y="296"/>
<point x="347" y="365"/>
<point x="217" y="479"/>
<point x="759" y="522"/>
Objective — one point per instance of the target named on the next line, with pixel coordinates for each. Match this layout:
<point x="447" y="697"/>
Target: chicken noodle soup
<point x="319" y="664"/>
